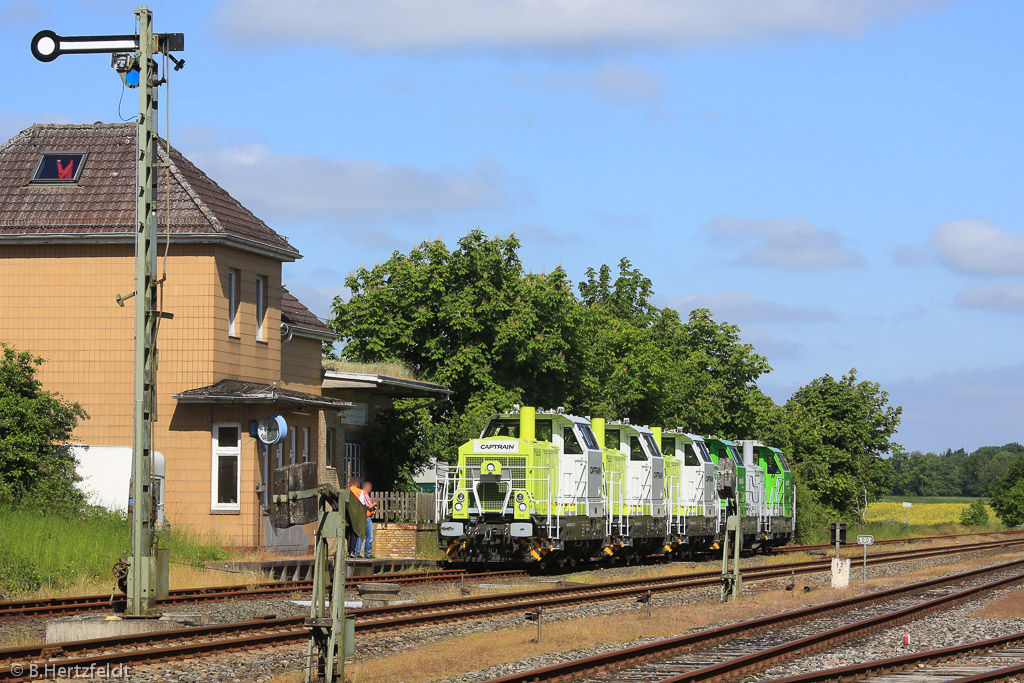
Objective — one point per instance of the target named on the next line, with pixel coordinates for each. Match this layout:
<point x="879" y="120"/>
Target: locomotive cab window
<point x="570" y="443"/>
<point x="611" y="439"/>
<point x="59" y="167"/>
<point x="773" y="467"/>
<point x="636" y="450"/>
<point x="588" y="436"/>
<point x="652" y="446"/>
<point x="704" y="452"/>
<point x="503" y="428"/>
<point x="668" y="445"/>
<point x="782" y="461"/>
<point x="690" y="458"/>
<point x="543" y="430"/>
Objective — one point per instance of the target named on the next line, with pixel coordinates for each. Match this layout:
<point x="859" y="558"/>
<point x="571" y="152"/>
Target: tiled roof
<point x="295" y="313"/>
<point x="102" y="202"/>
<point x="236" y="391"/>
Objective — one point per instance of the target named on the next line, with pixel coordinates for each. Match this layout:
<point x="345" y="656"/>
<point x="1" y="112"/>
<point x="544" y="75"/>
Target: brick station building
<point x="239" y="345"/>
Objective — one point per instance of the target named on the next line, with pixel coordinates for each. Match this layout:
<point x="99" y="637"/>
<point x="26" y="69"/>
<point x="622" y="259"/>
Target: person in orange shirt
<point x="371" y="507"/>
<point x="354" y="542"/>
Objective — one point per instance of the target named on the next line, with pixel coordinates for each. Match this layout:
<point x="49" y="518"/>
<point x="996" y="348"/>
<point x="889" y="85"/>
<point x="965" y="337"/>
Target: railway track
<point x="93" y="603"/>
<point x="218" y="638"/>
<point x="891" y="541"/>
<point x="935" y="666"/>
<point x="741" y="649"/>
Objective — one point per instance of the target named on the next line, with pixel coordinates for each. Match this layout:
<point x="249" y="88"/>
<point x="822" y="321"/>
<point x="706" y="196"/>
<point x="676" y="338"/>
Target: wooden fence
<point x="403" y="507"/>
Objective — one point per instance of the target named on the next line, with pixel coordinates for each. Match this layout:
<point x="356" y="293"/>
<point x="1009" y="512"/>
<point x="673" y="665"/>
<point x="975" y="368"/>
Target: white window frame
<point x="305" y="444"/>
<point x="217" y="453"/>
<point x="291" y="450"/>
<point x="232" y="302"/>
<point x="261" y="305"/>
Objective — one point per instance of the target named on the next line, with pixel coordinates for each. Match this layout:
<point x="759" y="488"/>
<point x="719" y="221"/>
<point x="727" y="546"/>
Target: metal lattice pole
<point x="142" y="574"/>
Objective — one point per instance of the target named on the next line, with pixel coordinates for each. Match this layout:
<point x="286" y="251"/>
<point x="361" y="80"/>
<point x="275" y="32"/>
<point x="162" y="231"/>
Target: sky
<point x="839" y="178"/>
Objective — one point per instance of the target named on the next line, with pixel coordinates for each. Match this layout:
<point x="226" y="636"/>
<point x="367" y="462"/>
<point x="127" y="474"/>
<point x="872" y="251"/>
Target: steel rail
<point x="429" y="613"/>
<point x="888" y="541"/>
<point x="1006" y="673"/>
<point x="289" y="630"/>
<point x="630" y="587"/>
<point x="892" y="664"/>
<point x="87" y="603"/>
<point x="727" y="670"/>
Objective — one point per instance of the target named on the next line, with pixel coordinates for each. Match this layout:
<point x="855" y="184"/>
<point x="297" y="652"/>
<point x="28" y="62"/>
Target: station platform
<point x="300" y="568"/>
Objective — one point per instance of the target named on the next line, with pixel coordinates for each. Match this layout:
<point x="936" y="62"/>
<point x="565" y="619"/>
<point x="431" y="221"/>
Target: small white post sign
<point x="866" y="540"/>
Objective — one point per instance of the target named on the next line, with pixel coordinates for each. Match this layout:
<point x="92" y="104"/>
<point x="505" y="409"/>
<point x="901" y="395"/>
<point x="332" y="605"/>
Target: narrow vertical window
<point x="305" y="444"/>
<point x="225" y="480"/>
<point x="232" y="302"/>
<point x="354" y="459"/>
<point x="291" y="451"/>
<point x="261" y="305"/>
<point x="329" y="448"/>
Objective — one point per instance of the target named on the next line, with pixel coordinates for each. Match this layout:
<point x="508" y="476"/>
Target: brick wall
<point x="396" y="539"/>
<point x="58" y="301"/>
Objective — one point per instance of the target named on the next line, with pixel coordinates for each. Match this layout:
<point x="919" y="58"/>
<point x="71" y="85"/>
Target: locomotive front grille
<point x="492" y="494"/>
<point x="514" y="465"/>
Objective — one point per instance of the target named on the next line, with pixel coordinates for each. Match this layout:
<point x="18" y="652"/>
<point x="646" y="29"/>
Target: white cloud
<point x="974" y="247"/>
<point x="768" y="345"/>
<point x="624" y="84"/>
<point x="1006" y="296"/>
<point x="743" y="307"/>
<point x="615" y="83"/>
<point x="303" y="188"/>
<point x="786" y="244"/>
<point x="904" y="255"/>
<point x="550" y="25"/>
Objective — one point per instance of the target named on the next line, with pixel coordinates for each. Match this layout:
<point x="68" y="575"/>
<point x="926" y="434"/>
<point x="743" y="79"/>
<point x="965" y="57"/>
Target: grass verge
<point x="46" y="555"/>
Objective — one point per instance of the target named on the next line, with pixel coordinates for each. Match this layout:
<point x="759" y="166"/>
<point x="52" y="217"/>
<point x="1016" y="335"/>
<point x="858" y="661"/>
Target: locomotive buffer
<point x="297" y="500"/>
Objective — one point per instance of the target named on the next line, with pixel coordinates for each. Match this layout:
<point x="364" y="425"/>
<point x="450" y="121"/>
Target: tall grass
<point x="38" y="550"/>
<point x="44" y="553"/>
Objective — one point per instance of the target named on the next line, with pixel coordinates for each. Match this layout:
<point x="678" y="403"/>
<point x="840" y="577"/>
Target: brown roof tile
<point x="237" y="391"/>
<point x="295" y="313"/>
<point x="102" y="202"/>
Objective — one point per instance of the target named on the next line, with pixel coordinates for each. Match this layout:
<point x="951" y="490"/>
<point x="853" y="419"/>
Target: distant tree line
<point x="993" y="471"/>
<point x="473" y="319"/>
<point x="952" y="473"/>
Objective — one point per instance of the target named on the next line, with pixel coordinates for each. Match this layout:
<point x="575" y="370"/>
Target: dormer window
<point x="59" y="167"/>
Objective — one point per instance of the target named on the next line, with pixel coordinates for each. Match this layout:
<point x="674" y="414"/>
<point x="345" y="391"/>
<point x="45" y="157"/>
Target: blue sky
<point x="839" y="178"/>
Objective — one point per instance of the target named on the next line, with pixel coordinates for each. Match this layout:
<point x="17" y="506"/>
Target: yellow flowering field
<point x="920" y="513"/>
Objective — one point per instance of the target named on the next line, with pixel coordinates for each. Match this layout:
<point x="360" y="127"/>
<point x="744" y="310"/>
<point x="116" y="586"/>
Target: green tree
<point x="471" y="319"/>
<point x="36" y="463"/>
<point x="1008" y="495"/>
<point x="974" y="514"/>
<point x="645" y="363"/>
<point x="719" y="380"/>
<point x="837" y="432"/>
